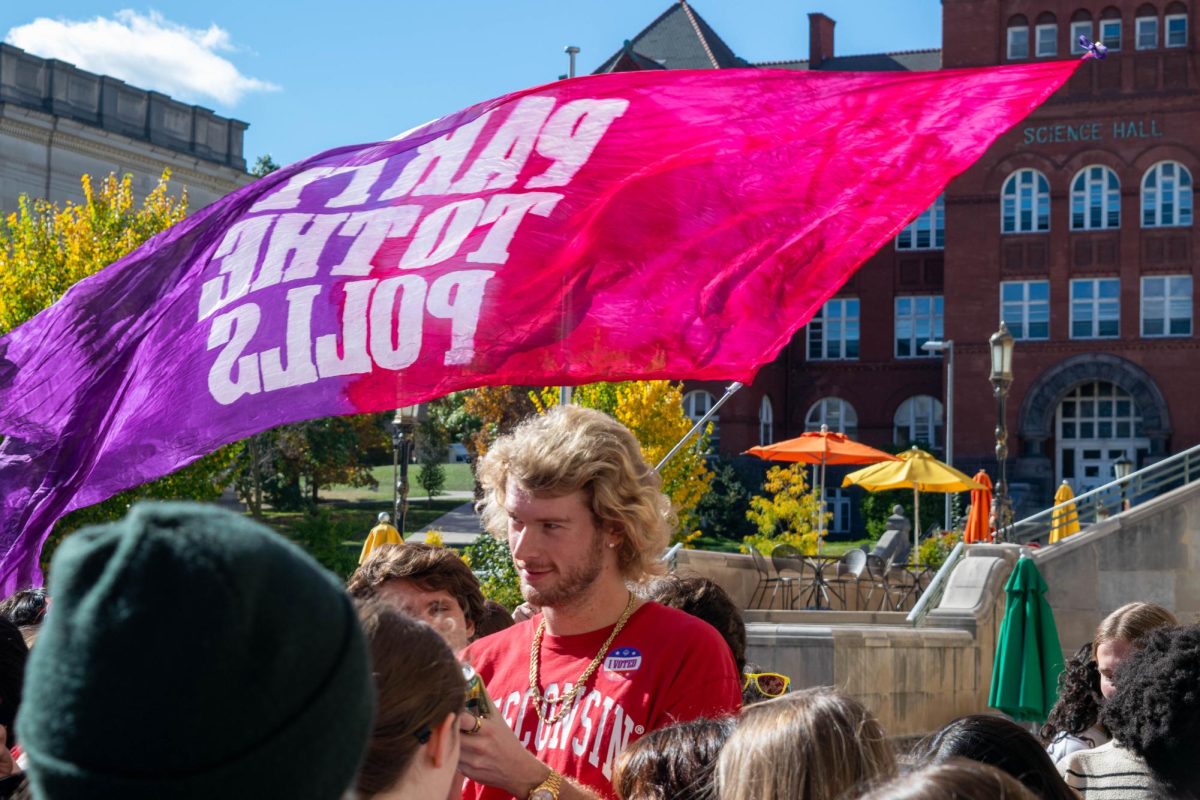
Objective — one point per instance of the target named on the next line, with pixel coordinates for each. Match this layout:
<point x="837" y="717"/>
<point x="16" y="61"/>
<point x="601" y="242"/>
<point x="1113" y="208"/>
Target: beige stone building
<point x="58" y="122"/>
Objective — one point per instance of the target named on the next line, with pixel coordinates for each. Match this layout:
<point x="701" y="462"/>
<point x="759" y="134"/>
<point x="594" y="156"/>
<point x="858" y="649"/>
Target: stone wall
<point x="58" y="122"/>
<point x="1149" y="553"/>
<point x="913" y="679"/>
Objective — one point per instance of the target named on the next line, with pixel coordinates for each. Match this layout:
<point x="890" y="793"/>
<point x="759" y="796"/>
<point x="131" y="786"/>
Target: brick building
<point x="1076" y="228"/>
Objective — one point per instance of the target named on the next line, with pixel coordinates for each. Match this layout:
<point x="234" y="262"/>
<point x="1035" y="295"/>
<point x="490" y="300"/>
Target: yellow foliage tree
<point x="788" y="515"/>
<point x="653" y="411"/>
<point x="45" y="250"/>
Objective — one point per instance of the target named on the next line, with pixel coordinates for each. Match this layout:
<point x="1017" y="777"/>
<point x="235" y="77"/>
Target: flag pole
<point x="700" y="423"/>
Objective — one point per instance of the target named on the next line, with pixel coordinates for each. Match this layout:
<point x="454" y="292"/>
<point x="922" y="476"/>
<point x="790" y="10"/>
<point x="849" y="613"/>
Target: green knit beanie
<point x="191" y="653"/>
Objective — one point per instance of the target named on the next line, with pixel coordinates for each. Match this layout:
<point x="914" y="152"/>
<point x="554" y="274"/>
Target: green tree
<point x="263" y="165"/>
<point x="722" y="510"/>
<point x="491" y="560"/>
<point x="788" y="515"/>
<point x="432" y="441"/>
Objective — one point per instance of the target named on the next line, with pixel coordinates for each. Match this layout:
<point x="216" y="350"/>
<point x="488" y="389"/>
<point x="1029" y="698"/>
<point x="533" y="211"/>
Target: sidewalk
<point x="459" y="527"/>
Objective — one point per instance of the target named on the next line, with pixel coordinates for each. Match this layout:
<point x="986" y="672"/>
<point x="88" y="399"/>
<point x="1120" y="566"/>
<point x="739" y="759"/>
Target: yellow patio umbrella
<point x="1065" y="520"/>
<point x="916" y="470"/>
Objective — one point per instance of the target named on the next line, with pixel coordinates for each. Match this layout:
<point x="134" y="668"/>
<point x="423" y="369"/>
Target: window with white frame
<point x="918" y="320"/>
<point x="927" y="231"/>
<point x="1018" y="39"/>
<point x="1167" y="305"/>
<point x="1110" y="34"/>
<point x="1176" y="27"/>
<point x="1095" y="308"/>
<point x="766" y="421"/>
<point x="1080" y="27"/>
<point x="1167" y="196"/>
<point x="696" y="404"/>
<point x="835" y="414"/>
<point x="918" y="420"/>
<point x="833" y="332"/>
<point x="1025" y="203"/>
<point x="1095" y="199"/>
<point x="1046" y="36"/>
<point x="837" y="503"/>
<point x="1025" y="308"/>
<point x="1146" y="30"/>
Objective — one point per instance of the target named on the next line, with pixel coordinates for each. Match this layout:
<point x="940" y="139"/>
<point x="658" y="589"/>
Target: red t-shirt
<point x="665" y="666"/>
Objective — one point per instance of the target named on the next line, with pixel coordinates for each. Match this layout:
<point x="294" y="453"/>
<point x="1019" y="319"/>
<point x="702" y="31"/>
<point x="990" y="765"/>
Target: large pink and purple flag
<point x="637" y="225"/>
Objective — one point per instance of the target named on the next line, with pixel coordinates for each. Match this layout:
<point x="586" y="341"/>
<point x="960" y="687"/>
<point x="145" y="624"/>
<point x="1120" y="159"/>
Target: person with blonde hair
<point x="597" y="667"/>
<point x="1074" y="721"/>
<point x="816" y="744"/>
<point x="957" y="779"/>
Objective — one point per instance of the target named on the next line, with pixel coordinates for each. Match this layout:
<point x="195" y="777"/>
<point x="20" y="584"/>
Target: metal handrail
<point x="1115" y="496"/>
<point x="936" y="588"/>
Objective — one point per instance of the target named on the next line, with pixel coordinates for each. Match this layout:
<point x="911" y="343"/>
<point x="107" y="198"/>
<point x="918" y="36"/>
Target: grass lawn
<point x="360" y="517"/>
<point x="458" y="479"/>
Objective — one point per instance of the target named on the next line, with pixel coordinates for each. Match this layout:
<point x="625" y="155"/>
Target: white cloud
<point x="147" y="51"/>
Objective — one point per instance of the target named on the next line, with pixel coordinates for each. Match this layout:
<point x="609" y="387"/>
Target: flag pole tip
<point x="1094" y="49"/>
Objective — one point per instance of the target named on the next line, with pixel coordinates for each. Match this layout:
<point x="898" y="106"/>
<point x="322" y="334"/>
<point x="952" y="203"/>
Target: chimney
<point x="820" y="39"/>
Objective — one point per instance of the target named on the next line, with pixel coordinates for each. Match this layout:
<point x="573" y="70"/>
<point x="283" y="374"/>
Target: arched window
<point x="834" y="413"/>
<point x="1081" y="25"/>
<point x="1046" y="35"/>
<point x="1167" y="196"/>
<point x="1175" y="25"/>
<point x="766" y="421"/>
<point x="1095" y="199"/>
<point x="1145" y="27"/>
<point x="1110" y="28"/>
<point x="695" y="405"/>
<point x="1018" y="38"/>
<point x="918" y="419"/>
<point x="927" y="231"/>
<point x="1025" y="203"/>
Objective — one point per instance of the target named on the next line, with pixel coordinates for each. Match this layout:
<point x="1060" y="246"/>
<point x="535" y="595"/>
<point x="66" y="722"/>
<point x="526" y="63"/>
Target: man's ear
<point x="440" y="746"/>
<point x="470" y="627"/>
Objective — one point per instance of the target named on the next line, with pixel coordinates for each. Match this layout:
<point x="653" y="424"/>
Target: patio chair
<point x="787" y="559"/>
<point x="765" y="579"/>
<point x="903" y="587"/>
<point x="849" y="571"/>
<point x="877" y="581"/>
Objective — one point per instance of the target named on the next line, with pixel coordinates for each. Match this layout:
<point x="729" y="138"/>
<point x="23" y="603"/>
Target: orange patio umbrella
<point x="1064" y="521"/>
<point x="979" y="524"/>
<point x="821" y="448"/>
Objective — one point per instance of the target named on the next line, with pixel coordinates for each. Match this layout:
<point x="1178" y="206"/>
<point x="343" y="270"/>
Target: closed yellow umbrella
<point x="1065" y="520"/>
<point x="916" y="470"/>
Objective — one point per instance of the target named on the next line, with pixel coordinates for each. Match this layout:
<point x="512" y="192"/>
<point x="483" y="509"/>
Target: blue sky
<point x="321" y="75"/>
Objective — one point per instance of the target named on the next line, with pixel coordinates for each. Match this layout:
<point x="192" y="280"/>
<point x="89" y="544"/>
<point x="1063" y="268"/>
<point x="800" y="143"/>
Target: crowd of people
<point x="187" y="652"/>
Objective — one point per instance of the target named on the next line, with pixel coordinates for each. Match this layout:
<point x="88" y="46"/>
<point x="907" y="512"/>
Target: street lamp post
<point x="1001" y="378"/>
<point x="1122" y="468"/>
<point x="403" y="426"/>
<point x="947" y="347"/>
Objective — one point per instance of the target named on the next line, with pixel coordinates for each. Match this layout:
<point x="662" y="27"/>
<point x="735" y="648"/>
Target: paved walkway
<point x="459" y="527"/>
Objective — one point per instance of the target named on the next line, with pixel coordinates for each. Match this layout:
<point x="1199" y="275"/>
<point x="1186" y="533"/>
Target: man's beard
<point x="571" y="584"/>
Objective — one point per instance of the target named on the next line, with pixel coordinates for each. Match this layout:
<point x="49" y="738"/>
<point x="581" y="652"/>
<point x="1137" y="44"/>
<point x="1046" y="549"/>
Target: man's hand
<point x="493" y="755"/>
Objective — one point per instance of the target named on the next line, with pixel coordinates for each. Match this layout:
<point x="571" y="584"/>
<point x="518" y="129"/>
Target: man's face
<point x="439" y="608"/>
<point x="1109" y="656"/>
<point x="557" y="548"/>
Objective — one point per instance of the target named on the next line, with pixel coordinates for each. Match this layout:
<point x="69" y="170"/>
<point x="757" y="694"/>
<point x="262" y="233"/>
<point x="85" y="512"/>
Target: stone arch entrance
<point x="1040" y="417"/>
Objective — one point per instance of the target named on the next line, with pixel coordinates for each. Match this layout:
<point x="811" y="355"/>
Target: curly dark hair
<point x="1155" y="711"/>
<point x="1079" y="698"/>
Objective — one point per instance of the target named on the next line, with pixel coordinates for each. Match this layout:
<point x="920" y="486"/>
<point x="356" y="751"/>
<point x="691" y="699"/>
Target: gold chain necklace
<point x="565" y="702"/>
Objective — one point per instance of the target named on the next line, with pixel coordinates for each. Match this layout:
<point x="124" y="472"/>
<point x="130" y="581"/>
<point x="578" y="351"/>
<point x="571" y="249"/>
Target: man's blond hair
<point x="571" y="449"/>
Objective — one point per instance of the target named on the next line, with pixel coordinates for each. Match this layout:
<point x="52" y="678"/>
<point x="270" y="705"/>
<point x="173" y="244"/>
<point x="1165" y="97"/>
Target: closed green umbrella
<point x="1028" y="655"/>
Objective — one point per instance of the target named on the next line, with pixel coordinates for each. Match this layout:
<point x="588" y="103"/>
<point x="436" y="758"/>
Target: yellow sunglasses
<point x="768" y="684"/>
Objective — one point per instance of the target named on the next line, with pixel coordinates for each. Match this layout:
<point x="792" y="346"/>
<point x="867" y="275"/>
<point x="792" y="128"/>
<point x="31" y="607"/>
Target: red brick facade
<point x="1128" y="113"/>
